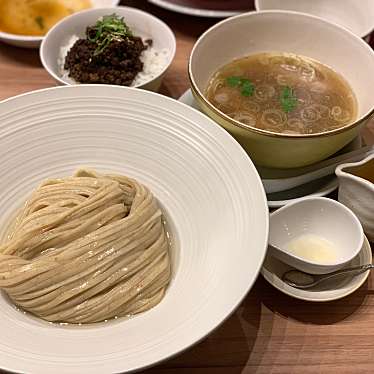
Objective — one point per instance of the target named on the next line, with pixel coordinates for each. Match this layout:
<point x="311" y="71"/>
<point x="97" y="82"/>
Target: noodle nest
<point x="86" y="249"/>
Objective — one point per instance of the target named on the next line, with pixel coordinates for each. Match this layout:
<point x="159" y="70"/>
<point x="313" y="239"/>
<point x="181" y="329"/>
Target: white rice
<point x="154" y="61"/>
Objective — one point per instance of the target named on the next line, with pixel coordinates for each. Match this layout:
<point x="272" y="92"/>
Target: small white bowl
<point x="141" y="23"/>
<point x="320" y="216"/>
<point x="357" y="16"/>
<point x="27" y="41"/>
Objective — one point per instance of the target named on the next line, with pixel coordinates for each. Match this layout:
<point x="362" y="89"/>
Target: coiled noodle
<point x="85" y="249"/>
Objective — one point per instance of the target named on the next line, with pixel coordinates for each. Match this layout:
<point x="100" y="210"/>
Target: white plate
<point x="320" y="187"/>
<point x="357" y="16"/>
<point x="194" y="11"/>
<point x="26" y="41"/>
<point x="273" y="270"/>
<point x="209" y="189"/>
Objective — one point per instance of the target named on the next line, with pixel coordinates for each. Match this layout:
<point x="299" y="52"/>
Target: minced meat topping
<point x="110" y="54"/>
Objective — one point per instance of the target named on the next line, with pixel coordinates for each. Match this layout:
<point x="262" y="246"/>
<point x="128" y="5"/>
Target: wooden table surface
<point x="269" y="332"/>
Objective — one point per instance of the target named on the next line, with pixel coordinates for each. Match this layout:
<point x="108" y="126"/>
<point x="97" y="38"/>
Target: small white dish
<point x="273" y="270"/>
<point x="317" y="188"/>
<point x="191" y="8"/>
<point x="356" y="191"/>
<point x="357" y="16"/>
<point x="26" y="41"/>
<point x="142" y="24"/>
<point x="315" y="171"/>
<point x="318" y="218"/>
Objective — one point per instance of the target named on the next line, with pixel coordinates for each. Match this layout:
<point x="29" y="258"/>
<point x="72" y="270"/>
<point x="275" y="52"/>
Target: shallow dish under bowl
<point x="292" y="32"/>
<point x="209" y="190"/>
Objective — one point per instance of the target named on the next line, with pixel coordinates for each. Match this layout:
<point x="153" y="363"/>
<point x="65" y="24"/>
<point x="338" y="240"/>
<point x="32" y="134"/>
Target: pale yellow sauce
<point x="36" y="17"/>
<point x="313" y="248"/>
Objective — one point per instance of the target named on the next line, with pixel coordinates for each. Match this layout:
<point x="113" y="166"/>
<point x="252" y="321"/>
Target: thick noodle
<point x="86" y="249"/>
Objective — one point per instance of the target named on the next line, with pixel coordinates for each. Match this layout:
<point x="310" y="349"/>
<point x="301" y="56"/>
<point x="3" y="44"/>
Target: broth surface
<point x="283" y="93"/>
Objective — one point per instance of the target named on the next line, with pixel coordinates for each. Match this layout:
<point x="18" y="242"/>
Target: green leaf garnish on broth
<point x="247" y="87"/>
<point x="288" y="99"/>
<point x="233" y="81"/>
<point x="273" y="91"/>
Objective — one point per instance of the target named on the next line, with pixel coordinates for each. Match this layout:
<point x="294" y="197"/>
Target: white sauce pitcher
<point x="356" y="191"/>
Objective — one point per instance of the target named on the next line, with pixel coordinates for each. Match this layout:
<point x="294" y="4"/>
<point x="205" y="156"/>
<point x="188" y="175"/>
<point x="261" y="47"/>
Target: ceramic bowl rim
<point x="21" y="38"/>
<point x="201" y="97"/>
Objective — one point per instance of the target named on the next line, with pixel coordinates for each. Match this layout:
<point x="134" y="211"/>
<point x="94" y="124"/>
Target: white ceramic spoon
<point x="316" y="171"/>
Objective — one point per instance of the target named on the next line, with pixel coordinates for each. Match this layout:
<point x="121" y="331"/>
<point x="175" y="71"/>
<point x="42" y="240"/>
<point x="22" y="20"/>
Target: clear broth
<point x="283" y="93"/>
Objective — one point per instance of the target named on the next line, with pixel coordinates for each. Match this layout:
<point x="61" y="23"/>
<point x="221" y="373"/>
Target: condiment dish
<point x="316" y="235"/>
<point x="141" y="23"/>
<point x="26" y="41"/>
<point x="334" y="289"/>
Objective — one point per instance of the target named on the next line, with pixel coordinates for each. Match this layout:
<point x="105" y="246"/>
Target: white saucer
<point x="273" y="270"/>
<point x="319" y="187"/>
<point x="316" y="188"/>
<point x="193" y="11"/>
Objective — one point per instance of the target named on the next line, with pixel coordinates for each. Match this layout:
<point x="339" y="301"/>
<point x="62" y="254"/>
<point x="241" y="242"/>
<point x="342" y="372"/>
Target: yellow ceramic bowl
<point x="293" y="32"/>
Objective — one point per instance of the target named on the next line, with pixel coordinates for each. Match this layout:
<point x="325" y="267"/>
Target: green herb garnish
<point x="288" y="99"/>
<point x="107" y="29"/>
<point x="40" y="21"/>
<point x="247" y="87"/>
<point x="233" y="81"/>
